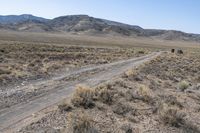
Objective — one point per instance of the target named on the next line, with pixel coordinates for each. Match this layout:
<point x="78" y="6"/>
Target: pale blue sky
<point x="160" y="14"/>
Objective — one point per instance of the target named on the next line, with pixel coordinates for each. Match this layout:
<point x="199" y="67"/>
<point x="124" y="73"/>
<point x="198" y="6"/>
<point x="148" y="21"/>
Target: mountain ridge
<point x="84" y="24"/>
<point x="13" y="19"/>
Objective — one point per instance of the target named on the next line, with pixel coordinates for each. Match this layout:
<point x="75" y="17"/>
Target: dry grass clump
<point x="122" y="83"/>
<point x="189" y="127"/>
<point x="122" y="108"/>
<point x="171" y="100"/>
<point x="183" y="85"/>
<point x="129" y="73"/>
<point x="84" y="96"/>
<point x="171" y="115"/>
<point x="105" y="95"/>
<point x="65" y="106"/>
<point x="133" y="74"/>
<point x="81" y="123"/>
<point x="4" y="75"/>
<point x="145" y="93"/>
<point x="142" y="51"/>
<point x="137" y="75"/>
<point x="127" y="128"/>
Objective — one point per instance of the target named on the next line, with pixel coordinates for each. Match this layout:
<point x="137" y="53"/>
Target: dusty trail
<point x="62" y="87"/>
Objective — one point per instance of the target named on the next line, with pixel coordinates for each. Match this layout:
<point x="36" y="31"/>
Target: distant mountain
<point x="14" y="19"/>
<point x="84" y="24"/>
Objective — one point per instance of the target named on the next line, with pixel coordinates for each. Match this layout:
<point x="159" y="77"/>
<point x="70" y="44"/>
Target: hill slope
<point x="84" y="24"/>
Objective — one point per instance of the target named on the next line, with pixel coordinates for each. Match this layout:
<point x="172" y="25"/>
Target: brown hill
<point x="84" y="24"/>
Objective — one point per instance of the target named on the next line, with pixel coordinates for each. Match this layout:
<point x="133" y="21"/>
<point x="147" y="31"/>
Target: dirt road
<point x="49" y="92"/>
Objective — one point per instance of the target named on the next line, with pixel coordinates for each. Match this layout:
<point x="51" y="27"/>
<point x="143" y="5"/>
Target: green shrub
<point x="183" y="85"/>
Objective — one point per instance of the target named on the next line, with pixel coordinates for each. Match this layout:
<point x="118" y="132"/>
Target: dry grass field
<point x="161" y="95"/>
<point x="24" y="61"/>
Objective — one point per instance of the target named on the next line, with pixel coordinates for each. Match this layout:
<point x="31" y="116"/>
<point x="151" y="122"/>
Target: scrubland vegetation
<point x="159" y="96"/>
<point x="25" y="61"/>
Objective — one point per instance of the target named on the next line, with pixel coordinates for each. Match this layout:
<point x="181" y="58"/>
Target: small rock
<point x="127" y="128"/>
<point x="138" y="78"/>
<point x="198" y="86"/>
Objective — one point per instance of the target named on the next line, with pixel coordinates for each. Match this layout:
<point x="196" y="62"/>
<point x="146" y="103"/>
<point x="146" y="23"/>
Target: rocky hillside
<point x="84" y="24"/>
